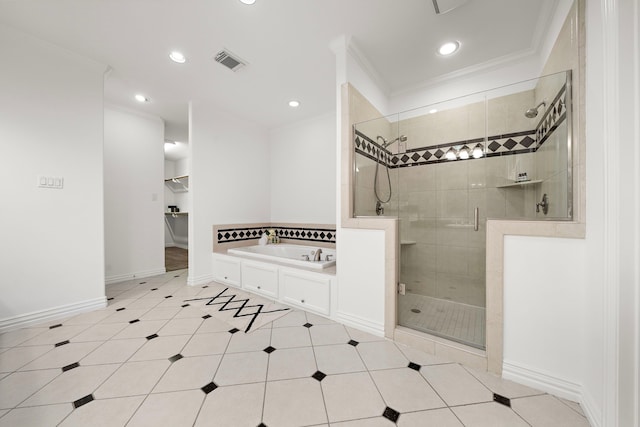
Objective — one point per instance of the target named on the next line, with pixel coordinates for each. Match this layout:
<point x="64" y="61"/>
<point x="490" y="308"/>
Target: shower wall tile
<point x="452" y="176"/>
<point x="451" y="259"/>
<point x="477" y="239"/>
<point x="515" y="198"/>
<point x="496" y="203"/>
<point x="417" y="179"/>
<point x="453" y="231"/>
<point x="452" y="204"/>
<point x="423" y="231"/>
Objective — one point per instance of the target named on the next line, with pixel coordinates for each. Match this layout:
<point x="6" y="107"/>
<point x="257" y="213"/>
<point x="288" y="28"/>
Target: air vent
<point x="229" y="60"/>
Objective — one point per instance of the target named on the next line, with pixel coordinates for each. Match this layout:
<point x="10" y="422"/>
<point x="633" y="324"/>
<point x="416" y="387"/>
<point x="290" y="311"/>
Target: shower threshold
<point x="458" y="322"/>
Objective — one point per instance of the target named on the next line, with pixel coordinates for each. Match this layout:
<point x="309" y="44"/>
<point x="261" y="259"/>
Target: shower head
<point x="385" y="143"/>
<point x="533" y="112"/>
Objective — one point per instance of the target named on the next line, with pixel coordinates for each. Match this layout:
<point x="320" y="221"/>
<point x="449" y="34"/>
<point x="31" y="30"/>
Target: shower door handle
<point x="475" y="219"/>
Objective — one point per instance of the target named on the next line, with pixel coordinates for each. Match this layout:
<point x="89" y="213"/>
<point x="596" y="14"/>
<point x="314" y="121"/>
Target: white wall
<point x="51" y="123"/>
<point x="133" y="194"/>
<point x="303" y="171"/>
<point x="229" y="179"/>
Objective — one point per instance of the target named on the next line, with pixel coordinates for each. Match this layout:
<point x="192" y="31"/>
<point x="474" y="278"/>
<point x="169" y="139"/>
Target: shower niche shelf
<point x="179" y="184"/>
<point x="520" y="184"/>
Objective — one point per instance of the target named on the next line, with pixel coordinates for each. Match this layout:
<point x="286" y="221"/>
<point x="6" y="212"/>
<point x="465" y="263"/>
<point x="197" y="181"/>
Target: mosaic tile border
<point x="528" y="141"/>
<point x="239" y="234"/>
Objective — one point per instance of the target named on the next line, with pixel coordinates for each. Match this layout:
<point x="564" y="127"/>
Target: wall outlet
<point x="402" y="288"/>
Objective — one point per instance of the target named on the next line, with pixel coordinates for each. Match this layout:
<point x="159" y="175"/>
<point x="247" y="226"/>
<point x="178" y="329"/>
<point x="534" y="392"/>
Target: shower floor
<point x="448" y="319"/>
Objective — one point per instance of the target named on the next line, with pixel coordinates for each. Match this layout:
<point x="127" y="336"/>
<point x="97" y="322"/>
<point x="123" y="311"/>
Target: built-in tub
<point x="289" y="254"/>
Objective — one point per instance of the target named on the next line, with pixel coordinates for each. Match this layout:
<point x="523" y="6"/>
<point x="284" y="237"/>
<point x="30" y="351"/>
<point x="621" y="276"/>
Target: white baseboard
<point x="135" y="275"/>
<point x="360" y="323"/>
<point x="542" y="381"/>
<point x="200" y="280"/>
<point x="24" y="320"/>
<point x="591" y="410"/>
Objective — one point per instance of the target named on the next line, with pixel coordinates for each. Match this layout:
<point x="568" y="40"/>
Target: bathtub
<point x="288" y="254"/>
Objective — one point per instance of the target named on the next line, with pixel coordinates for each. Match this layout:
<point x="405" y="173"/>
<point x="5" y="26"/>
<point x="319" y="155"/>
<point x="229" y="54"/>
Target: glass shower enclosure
<point x="443" y="170"/>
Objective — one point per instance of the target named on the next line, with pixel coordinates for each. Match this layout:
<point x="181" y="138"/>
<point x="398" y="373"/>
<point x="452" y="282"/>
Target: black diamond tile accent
<point x="154" y="289"/>
<point x="168" y="296"/>
<point x="134" y="321"/>
<point x="234" y="330"/>
<point x="205" y="286"/>
<point x="55" y="326"/>
<point x="120" y="309"/>
<point x="109" y="299"/>
<point x="427" y="155"/>
<point x="510" y="144"/>
<point x="404" y="158"/>
<point x="184" y="305"/>
<point x="353" y="342"/>
<point x="307" y="325"/>
<point x="209" y="388"/>
<point x="142" y="283"/>
<point x="219" y="236"/>
<point x="391" y="414"/>
<point x="269" y="350"/>
<point x="150" y="337"/>
<point x="527" y="141"/>
<point x="62" y="343"/>
<point x="206" y="316"/>
<point x="493" y="146"/>
<point x="415" y="157"/>
<point x="439" y="153"/>
<point x="395" y="160"/>
<point x="175" y="358"/>
<point x="70" y="367"/>
<point x="262" y="425"/>
<point x="414" y="366"/>
<point x="318" y="375"/>
<point x="83" y="401"/>
<point x="227" y="235"/>
<point x="502" y="400"/>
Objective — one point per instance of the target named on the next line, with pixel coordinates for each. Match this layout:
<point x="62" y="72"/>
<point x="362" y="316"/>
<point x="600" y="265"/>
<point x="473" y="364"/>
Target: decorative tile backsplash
<point x="527" y="141"/>
<point x="327" y="235"/>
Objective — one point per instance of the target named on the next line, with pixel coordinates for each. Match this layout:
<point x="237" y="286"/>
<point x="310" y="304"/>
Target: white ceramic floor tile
<point x="99" y="332"/>
<point x="314" y="319"/>
<point x="71" y="385"/>
<point x="290" y="337"/>
<point x="3" y="411"/>
<point x="253" y="341"/>
<point x="26" y="417"/>
<point x="133" y="378"/>
<point x="14" y="338"/>
<point x="351" y="396"/>
<point x="15" y="358"/>
<point x="405" y="390"/>
<point x="20" y="385"/>
<point x="161" y="348"/>
<point x="145" y="303"/>
<point x="141" y="329"/>
<point x="367" y="422"/>
<point x="189" y="373"/>
<point x="56" y="335"/>
<point x="207" y="344"/>
<point x="174" y="409"/>
<point x="501" y="386"/>
<point x="361" y="336"/>
<point x="381" y="355"/>
<point x="573" y="405"/>
<point x="435" y="417"/>
<point x="455" y="385"/>
<point x="114" y="351"/>
<point x="328" y="334"/>
<point x="189" y="313"/>
<point x="213" y="325"/>
<point x="420" y="357"/>
<point x="125" y="316"/>
<point x="294" y="403"/>
<point x="489" y="415"/>
<point x="242" y="368"/>
<point x="237" y="406"/>
<point x="295" y="318"/>
<point x="160" y="313"/>
<point x="547" y="410"/>
<point x="338" y="359"/>
<point x="181" y="326"/>
<point x="88" y="318"/>
<point x="291" y="363"/>
<point x="104" y="413"/>
<point x="62" y="356"/>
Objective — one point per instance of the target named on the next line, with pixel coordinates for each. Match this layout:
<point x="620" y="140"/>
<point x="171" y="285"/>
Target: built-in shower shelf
<point x="407" y="242"/>
<point x="176" y="213"/>
<point x="520" y="184"/>
<point x="179" y="184"/>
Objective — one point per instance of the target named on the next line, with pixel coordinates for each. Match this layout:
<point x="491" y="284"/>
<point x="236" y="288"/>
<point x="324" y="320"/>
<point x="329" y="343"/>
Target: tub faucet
<point x="317" y="254"/>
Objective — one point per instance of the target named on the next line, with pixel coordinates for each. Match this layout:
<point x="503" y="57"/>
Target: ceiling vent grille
<point x="229" y="60"/>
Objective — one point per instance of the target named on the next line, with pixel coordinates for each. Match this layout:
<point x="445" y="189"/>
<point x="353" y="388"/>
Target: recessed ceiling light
<point x="248" y="1"/>
<point x="433" y="111"/>
<point x="449" y="48"/>
<point x="177" y="57"/>
<point x="141" y="98"/>
<point x="294" y="104"/>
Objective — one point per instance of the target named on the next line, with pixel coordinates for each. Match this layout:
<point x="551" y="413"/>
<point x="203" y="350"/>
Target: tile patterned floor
<point x="457" y="321"/>
<point x="146" y="360"/>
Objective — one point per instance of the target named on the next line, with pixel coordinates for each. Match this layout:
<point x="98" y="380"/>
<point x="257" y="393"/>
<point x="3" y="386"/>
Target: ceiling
<point x="284" y="42"/>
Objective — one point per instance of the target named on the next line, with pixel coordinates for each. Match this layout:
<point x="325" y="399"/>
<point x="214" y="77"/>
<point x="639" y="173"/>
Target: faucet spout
<point x="317" y="254"/>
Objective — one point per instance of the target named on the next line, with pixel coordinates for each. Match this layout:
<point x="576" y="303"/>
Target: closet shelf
<point x="179" y="184"/>
<point x="520" y="184"/>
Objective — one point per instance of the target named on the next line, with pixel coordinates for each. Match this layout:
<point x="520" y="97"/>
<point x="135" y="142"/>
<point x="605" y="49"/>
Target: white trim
<point x="590" y="409"/>
<point x="201" y="280"/>
<point x="136" y="275"/>
<point x="360" y="323"/>
<point x="542" y="381"/>
<point x="24" y="320"/>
